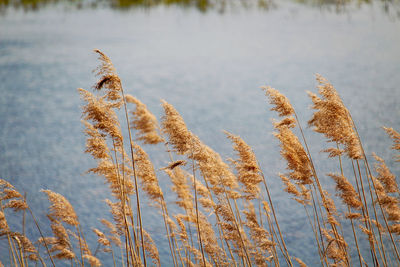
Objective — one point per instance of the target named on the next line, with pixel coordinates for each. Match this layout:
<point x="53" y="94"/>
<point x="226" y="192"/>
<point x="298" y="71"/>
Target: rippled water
<point x="210" y="67"/>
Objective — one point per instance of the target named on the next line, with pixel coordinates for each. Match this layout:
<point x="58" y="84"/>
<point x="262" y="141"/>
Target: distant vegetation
<point x="202" y="5"/>
<point x="389" y="6"/>
<point x="223" y="214"/>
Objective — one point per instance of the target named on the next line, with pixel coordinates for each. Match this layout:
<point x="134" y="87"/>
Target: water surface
<point x="210" y="66"/>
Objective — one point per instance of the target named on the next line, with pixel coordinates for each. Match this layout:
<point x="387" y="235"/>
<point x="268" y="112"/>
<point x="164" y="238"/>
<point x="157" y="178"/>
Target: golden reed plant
<point x="224" y="213"/>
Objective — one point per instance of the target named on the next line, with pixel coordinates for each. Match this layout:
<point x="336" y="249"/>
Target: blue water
<point x="210" y="66"/>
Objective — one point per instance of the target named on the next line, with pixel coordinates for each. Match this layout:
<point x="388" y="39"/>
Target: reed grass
<point x="224" y="214"/>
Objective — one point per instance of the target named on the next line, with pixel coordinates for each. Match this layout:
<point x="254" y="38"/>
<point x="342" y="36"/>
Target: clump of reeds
<point x="224" y="214"/>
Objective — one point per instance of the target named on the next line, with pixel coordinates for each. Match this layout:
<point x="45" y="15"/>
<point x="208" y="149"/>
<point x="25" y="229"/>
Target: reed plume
<point x="332" y="118"/>
<point x="346" y="191"/>
<point x="4" y="228"/>
<point x="61" y="209"/>
<point x="93" y="261"/>
<point x="385" y="176"/>
<point x="209" y="162"/>
<point x="248" y="171"/>
<point x="209" y="241"/>
<point x="28" y="249"/>
<point x="96" y="144"/>
<point x="119" y="188"/>
<point x="14" y="199"/>
<point x="145" y="172"/>
<point x="114" y="236"/>
<point x="232" y="231"/>
<point x="333" y="250"/>
<point x="61" y="246"/>
<point x="180" y="187"/>
<point x="102" y="114"/>
<point x="144" y="122"/>
<point x="388" y="202"/>
<point x="395" y="136"/>
<point x="280" y="102"/>
<point x="302" y="167"/>
<point x="300" y="262"/>
<point x="214" y="171"/>
<point x="303" y="196"/>
<point x="262" y="246"/>
<point x="293" y="152"/>
<point x="101" y="238"/>
<point x="222" y="204"/>
<point x="151" y="249"/>
<point x="108" y="79"/>
<point x="117" y="212"/>
<point x="183" y="235"/>
<point x="205" y="197"/>
<point x="174" y="126"/>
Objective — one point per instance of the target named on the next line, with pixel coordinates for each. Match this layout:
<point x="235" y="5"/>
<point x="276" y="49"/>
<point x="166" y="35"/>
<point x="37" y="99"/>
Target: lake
<point x="209" y="61"/>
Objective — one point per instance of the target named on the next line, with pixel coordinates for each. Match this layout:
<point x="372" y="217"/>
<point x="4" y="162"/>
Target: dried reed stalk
<point x="100" y="110"/>
<point x="146" y="125"/>
<point x="299" y="162"/>
<point x="261" y="244"/>
<point x="253" y="245"/>
<point x="211" y="166"/>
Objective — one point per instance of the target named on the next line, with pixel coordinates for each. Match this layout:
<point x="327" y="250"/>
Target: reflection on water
<point x="201" y="5"/>
<point x="391" y="7"/>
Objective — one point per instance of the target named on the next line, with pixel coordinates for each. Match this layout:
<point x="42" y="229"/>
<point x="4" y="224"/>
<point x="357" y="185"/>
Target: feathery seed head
<point x="396" y="140"/>
<point x="61" y="209"/>
<point x="293" y="152"/>
<point x="115" y="236"/>
<point x="181" y="188"/>
<point x="9" y="193"/>
<point x="93" y="261"/>
<point x="333" y="152"/>
<point x="300" y="262"/>
<point x="102" y="115"/>
<point x="15" y="200"/>
<point x="17" y="204"/>
<point x="3" y="224"/>
<point x="353" y="215"/>
<point x="333" y="119"/>
<point x="145" y="172"/>
<point x="174" y="126"/>
<point x="101" y="238"/>
<point x="279" y="101"/>
<point x="117" y="212"/>
<point x="106" y="66"/>
<point x="387" y="178"/>
<point x="151" y="248"/>
<point x="26" y="245"/>
<point x="96" y="142"/>
<point x="290" y="187"/>
<point x="395" y="228"/>
<point x="346" y="191"/>
<point x="144" y="122"/>
<point x="289" y="122"/>
<point x="173" y="165"/>
<point x="108" y="79"/>
<point x="249" y="173"/>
